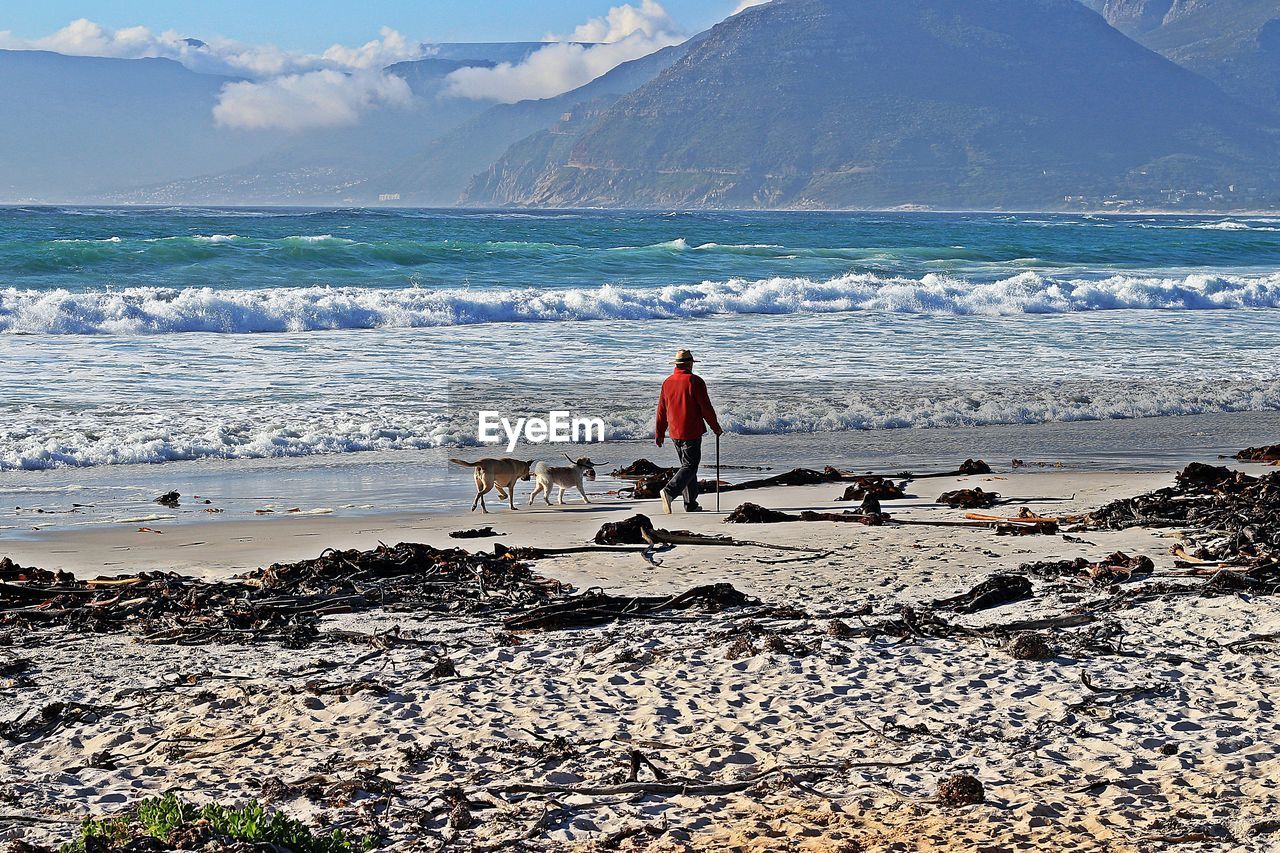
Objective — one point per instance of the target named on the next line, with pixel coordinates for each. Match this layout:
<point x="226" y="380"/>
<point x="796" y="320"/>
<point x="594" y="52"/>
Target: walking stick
<point x="717" y="472"/>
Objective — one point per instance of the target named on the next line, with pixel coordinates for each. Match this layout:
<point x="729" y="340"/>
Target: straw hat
<point x="684" y="357"/>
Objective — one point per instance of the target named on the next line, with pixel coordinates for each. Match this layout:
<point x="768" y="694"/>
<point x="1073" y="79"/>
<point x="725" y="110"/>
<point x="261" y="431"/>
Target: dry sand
<point x="819" y="743"/>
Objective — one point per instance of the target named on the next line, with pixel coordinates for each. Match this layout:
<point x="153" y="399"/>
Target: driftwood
<point x="1024" y="528"/>
<point x="1026" y="516"/>
<point x="525" y="552"/>
<point x="684" y="537"/>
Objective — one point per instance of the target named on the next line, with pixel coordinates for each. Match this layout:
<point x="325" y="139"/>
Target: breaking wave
<point x="286" y="430"/>
<point x="158" y="310"/>
<point x="1228" y="225"/>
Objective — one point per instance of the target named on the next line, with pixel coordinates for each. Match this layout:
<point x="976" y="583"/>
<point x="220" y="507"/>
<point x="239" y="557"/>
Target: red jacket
<point x="683" y="406"/>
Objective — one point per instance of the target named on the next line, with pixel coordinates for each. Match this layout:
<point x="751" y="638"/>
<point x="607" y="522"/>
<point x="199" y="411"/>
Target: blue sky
<point x="315" y="24"/>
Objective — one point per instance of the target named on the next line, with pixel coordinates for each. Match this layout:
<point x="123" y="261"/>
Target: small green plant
<point x="159" y="816"/>
<point x="105" y="832"/>
<point x="162" y="817"/>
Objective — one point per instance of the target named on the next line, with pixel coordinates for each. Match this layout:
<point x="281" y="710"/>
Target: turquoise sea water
<point x="145" y="335"/>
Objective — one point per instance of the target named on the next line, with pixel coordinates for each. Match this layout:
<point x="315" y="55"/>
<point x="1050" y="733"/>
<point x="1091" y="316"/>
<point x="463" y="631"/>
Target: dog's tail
<point x="463" y="462"/>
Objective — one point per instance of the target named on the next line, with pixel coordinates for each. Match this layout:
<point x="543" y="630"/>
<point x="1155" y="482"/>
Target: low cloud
<point x="84" y="37"/>
<point x="743" y="5"/>
<point x="292" y="90"/>
<point x="285" y="90"/>
<point x="621" y="22"/>
<point x="627" y="32"/>
<point x="315" y="99"/>
<point x="378" y="53"/>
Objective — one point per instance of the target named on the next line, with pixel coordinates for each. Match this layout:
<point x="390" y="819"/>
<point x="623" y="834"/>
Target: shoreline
<point x="906" y="209"/>
<point x="354" y="498"/>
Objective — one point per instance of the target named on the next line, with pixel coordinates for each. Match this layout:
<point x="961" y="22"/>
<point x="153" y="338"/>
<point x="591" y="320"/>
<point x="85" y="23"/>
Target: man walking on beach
<point x="683" y="407"/>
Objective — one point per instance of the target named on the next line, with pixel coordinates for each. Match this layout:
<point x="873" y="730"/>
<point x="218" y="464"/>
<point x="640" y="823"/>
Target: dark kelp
<point x="475" y="533"/>
<point x="992" y="592"/>
<point x="873" y="485"/>
<point x="595" y="607"/>
<point x="630" y="531"/>
<point x="1233" y="524"/>
<point x="1266" y="453"/>
<point x="974" y="498"/>
<point x="283" y="602"/>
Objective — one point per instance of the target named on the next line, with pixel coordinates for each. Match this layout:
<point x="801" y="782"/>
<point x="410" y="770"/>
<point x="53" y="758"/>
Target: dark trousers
<point x="686" y="478"/>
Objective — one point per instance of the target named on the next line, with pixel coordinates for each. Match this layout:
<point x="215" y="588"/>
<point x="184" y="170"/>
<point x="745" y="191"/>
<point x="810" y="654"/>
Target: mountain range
<point x="79" y="127"/>
<point x="997" y="104"/>
<point x="1235" y="43"/>
<point x="883" y="103"/>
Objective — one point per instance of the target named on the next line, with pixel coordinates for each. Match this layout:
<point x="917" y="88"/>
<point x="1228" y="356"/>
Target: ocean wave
<point x="156" y="310"/>
<point x="288" y="430"/>
<point x="94" y="258"/>
<point x="680" y="244"/>
<point x="1226" y="224"/>
<point x="272" y="436"/>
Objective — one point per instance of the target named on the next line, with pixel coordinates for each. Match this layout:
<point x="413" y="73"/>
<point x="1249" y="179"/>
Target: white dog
<point x="564" y="477"/>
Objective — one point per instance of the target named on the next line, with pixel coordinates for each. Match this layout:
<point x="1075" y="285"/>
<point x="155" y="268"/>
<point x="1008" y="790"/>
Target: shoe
<point x="666" y="501"/>
<point x="693" y="508"/>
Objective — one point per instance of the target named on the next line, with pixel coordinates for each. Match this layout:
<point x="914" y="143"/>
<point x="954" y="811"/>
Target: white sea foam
<point x="153" y="310"/>
<point x="295" y="430"/>
<point x="1228" y="225"/>
<point x="319" y="239"/>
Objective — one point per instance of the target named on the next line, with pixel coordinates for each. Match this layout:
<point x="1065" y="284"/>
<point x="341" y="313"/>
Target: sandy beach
<point x="965" y="316"/>
<point x="777" y="726"/>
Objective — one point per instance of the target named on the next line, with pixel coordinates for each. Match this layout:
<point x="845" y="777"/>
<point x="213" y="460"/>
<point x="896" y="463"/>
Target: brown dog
<point x="500" y="474"/>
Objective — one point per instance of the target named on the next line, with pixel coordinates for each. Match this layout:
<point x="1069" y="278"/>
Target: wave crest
<point x="157" y="310"/>
<point x="298" y="429"/>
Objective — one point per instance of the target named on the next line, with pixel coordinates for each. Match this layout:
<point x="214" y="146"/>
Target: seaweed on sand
<point x="283" y="602"/>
